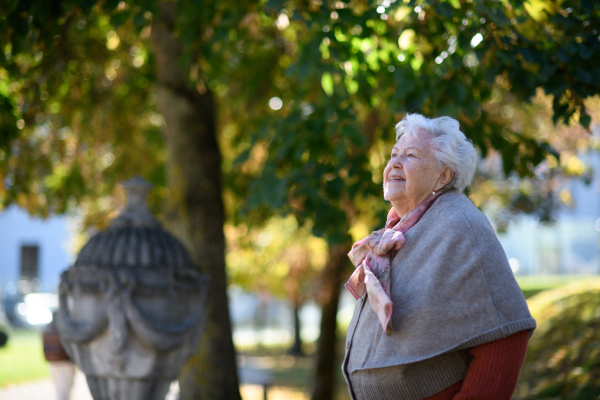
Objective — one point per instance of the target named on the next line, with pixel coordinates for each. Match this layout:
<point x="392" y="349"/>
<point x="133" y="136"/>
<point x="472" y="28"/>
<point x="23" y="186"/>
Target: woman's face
<point x="412" y="172"/>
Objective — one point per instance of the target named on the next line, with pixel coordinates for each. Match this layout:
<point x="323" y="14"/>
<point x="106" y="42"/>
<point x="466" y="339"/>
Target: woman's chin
<point x="390" y="192"/>
<point x="391" y="197"/>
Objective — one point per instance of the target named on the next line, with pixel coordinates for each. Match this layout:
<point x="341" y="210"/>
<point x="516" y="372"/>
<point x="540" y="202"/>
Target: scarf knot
<point x="372" y="256"/>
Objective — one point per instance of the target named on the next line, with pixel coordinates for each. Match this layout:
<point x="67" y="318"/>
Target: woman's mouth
<point x="395" y="179"/>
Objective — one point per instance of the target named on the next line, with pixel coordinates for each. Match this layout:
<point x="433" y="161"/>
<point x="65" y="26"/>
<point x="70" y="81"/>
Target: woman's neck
<point x="404" y="207"/>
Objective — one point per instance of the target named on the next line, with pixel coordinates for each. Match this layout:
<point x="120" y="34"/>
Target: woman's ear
<point x="445" y="177"/>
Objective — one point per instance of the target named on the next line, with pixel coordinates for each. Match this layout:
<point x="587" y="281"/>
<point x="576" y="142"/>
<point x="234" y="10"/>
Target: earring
<point x="433" y="192"/>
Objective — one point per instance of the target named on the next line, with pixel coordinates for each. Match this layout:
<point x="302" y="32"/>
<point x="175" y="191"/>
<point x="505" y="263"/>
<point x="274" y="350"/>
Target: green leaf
<point x="446" y="10"/>
<point x="405" y="83"/>
<point x="548" y="69"/>
<point x="455" y="4"/>
<point x="327" y="83"/>
<point x="585" y="120"/>
<point x="583" y="76"/>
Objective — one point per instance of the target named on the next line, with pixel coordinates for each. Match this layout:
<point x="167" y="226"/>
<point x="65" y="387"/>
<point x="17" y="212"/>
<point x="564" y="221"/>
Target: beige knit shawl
<point x="451" y="286"/>
<point x="372" y="257"/>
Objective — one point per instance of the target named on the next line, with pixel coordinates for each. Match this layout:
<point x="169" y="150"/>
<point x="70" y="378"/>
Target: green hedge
<point x="563" y="357"/>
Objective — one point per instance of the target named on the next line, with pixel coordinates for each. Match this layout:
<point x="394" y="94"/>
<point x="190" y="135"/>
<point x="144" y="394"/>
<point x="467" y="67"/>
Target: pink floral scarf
<point x="372" y="257"/>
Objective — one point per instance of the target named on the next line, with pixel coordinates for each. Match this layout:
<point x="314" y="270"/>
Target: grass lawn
<point x="22" y="359"/>
<point x="533" y="284"/>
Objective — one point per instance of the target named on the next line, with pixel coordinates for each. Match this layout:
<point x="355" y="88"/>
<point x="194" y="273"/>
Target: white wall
<point x="17" y="228"/>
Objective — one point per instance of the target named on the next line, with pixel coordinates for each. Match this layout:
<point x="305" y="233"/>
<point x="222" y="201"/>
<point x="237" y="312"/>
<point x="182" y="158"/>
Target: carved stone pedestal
<point x="132" y="305"/>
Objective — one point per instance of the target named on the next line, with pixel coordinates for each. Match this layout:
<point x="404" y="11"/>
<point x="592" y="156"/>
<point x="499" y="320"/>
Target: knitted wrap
<point x="372" y="257"/>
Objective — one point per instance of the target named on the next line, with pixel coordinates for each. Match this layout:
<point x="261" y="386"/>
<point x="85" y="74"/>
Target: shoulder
<point x="454" y="211"/>
<point x="454" y="223"/>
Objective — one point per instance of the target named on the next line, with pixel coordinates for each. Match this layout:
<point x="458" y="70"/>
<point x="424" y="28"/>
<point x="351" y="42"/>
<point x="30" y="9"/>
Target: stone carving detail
<point x="131" y="306"/>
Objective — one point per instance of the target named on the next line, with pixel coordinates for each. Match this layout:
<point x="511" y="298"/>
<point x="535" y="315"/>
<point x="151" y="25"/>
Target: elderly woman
<point x="439" y="314"/>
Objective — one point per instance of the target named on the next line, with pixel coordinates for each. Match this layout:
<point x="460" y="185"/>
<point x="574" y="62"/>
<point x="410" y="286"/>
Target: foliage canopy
<point x="78" y="112"/>
<point x="354" y="68"/>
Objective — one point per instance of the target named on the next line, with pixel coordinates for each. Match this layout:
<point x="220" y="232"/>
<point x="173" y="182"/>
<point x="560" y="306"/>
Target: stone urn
<point x="132" y="305"/>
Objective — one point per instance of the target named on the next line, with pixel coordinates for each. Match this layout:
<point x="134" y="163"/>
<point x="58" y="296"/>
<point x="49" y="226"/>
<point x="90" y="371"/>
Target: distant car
<point x="9" y="307"/>
<point x="4" y="328"/>
<point x="35" y="309"/>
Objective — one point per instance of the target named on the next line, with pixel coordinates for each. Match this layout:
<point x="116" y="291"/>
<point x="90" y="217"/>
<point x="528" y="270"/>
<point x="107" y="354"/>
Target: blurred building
<point x="570" y="245"/>
<point x="33" y="255"/>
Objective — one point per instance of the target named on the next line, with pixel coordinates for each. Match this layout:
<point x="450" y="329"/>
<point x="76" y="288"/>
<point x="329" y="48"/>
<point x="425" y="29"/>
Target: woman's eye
<point x="411" y="155"/>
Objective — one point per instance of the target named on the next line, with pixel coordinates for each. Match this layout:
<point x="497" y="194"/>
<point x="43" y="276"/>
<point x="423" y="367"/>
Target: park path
<point x="44" y="390"/>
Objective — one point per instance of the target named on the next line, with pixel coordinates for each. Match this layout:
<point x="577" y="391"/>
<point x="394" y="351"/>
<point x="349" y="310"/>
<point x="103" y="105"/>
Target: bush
<point x="563" y="358"/>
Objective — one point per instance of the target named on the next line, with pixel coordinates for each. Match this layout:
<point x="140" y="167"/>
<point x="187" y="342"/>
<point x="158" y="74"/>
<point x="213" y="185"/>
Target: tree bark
<point x="296" y="349"/>
<point x="326" y="357"/>
<point x="195" y="211"/>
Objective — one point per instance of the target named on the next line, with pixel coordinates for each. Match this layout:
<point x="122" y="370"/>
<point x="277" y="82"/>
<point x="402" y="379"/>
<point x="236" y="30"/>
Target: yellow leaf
<point x="406" y="39"/>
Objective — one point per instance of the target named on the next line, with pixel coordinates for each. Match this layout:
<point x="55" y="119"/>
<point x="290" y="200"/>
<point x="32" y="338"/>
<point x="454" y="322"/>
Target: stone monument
<point x="132" y="305"/>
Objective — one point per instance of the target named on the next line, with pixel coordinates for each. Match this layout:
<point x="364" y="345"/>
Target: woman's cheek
<point x="386" y="171"/>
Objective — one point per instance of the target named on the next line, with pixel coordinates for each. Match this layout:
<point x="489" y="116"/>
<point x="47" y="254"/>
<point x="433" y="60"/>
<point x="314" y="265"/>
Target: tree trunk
<point x="296" y="349"/>
<point x="195" y="210"/>
<point x="326" y="357"/>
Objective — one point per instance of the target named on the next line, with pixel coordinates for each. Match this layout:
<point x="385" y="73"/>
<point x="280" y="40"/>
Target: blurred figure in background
<point x="62" y="368"/>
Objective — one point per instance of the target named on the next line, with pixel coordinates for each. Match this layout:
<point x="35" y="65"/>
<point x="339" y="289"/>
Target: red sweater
<point x="493" y="372"/>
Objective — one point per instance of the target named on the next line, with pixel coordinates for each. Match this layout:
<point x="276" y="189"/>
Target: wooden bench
<point x="256" y="376"/>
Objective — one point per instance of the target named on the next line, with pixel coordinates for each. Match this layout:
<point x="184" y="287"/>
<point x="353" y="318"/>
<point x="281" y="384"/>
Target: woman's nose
<point x="396" y="162"/>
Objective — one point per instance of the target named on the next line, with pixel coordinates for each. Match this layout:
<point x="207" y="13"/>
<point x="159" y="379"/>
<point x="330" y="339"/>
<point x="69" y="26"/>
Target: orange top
<point x="493" y="371"/>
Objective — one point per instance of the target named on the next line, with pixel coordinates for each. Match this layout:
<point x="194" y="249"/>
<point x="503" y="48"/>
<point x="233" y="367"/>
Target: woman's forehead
<point x="420" y="141"/>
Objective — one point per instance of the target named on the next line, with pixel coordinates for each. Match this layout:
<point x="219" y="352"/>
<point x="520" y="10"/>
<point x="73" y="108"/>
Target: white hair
<point x="451" y="148"/>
